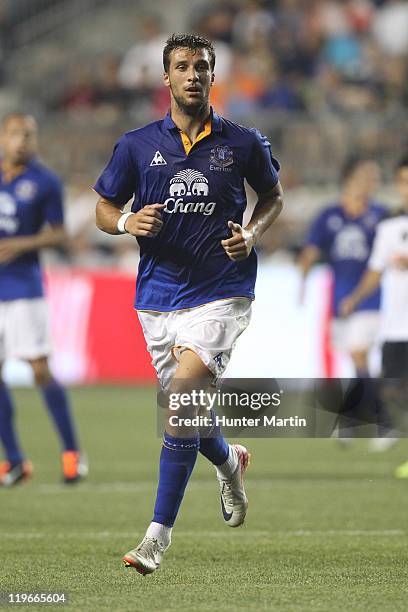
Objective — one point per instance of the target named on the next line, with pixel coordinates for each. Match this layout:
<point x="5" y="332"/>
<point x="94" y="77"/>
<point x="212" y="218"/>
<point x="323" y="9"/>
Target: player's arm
<point x="400" y="261"/>
<point x="146" y="222"/>
<point x="50" y="237"/>
<point x="242" y="241"/>
<point x="307" y="258"/>
<point x="367" y="285"/>
<point x="379" y="259"/>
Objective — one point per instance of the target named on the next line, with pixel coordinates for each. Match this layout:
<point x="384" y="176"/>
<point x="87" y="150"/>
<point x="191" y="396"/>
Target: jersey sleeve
<point x="262" y="168"/>
<point x="380" y="252"/>
<point x="52" y="202"/>
<point x="117" y="183"/>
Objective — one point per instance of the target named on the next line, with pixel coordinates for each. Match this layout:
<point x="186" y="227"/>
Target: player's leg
<point x="15" y="468"/>
<point x="212" y="331"/>
<point x="180" y="443"/>
<point x="177" y="460"/>
<point x="363" y="402"/>
<point x="56" y="400"/>
<point x="28" y="338"/>
<point x="199" y="360"/>
<point x="395" y="374"/>
<point x="371" y="396"/>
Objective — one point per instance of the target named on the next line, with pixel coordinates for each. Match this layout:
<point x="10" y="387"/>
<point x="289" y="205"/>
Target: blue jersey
<point x="30" y="200"/>
<point x="202" y="189"/>
<point x="346" y="244"/>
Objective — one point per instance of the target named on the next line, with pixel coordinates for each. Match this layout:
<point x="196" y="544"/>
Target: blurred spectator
<point x="214" y="20"/>
<point x="280" y="91"/>
<point x="142" y="65"/>
<point x="108" y="89"/>
<point x="390" y="27"/>
<point x="239" y="97"/>
<point x="79" y="92"/>
<point x="322" y="77"/>
<point x="252" y="23"/>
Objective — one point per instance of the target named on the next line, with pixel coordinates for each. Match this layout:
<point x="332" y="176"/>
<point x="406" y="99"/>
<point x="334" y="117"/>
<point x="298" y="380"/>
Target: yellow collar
<point x="187" y="144"/>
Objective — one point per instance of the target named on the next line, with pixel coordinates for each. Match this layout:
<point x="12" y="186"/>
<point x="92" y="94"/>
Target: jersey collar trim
<point x="216" y="123"/>
<point x="186" y="141"/>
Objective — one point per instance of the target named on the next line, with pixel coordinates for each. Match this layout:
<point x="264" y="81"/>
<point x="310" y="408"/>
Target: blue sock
<point x="8" y="435"/>
<point x="213" y="444"/>
<point x="58" y="406"/>
<point x="177" y="460"/>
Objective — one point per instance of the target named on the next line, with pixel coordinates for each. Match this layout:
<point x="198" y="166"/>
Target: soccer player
<point x="343" y="235"/>
<point x="390" y="258"/>
<point x="197" y="266"/>
<point x="31" y="218"/>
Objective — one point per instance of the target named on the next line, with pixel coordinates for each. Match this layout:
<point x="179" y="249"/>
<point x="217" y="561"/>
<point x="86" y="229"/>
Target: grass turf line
<point x="326" y="527"/>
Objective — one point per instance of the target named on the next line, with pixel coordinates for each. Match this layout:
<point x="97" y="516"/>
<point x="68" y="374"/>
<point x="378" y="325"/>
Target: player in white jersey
<point x="343" y="235"/>
<point x="389" y="262"/>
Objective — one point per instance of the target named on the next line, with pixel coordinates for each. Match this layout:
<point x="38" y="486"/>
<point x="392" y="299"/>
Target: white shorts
<point x="210" y="331"/>
<point x="24" y="329"/>
<point x="358" y="332"/>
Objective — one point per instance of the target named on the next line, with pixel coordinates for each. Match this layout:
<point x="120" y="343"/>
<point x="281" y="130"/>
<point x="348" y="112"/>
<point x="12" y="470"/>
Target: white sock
<point x="159" y="532"/>
<point x="226" y="470"/>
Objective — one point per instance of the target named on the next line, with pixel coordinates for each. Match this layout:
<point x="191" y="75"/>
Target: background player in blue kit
<point x="197" y="265"/>
<point x="31" y="218"/>
<point x="343" y="235"/>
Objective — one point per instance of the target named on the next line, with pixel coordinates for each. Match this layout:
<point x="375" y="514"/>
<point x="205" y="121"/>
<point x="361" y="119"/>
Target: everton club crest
<point x="221" y="158"/>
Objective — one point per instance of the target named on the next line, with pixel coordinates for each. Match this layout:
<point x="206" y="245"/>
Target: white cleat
<point x="146" y="558"/>
<point x="234" y="502"/>
<point x="380" y="445"/>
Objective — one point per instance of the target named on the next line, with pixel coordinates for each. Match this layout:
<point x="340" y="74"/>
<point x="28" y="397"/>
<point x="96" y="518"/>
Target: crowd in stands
<point x="309" y="73"/>
<point x="291" y="55"/>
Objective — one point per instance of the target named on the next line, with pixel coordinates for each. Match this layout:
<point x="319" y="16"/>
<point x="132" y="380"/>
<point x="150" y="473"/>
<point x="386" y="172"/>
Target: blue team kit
<point x="185" y="265"/>
<point x="346" y="244"/>
<point x="30" y="200"/>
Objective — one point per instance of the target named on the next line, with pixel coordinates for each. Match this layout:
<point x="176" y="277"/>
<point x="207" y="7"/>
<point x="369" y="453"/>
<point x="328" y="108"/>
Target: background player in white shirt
<point x="389" y="262"/>
<point x="343" y="234"/>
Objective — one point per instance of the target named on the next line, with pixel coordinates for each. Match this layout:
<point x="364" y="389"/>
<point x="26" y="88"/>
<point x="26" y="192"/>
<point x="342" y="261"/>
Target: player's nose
<point x="193" y="76"/>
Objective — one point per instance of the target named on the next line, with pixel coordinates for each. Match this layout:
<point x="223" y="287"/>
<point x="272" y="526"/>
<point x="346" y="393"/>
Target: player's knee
<point x="359" y="359"/>
<point x="42" y="374"/>
<point x="192" y="368"/>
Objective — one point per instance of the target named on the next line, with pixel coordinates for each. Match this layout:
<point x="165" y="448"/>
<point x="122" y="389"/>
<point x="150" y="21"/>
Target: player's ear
<point x="166" y="79"/>
<point x="212" y="79"/>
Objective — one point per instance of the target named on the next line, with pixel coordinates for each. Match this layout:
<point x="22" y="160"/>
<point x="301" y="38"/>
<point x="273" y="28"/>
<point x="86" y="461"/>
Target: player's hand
<point x="146" y="222"/>
<point x="346" y="307"/>
<point x="239" y="246"/>
<point x="400" y="262"/>
<point x="10" y="248"/>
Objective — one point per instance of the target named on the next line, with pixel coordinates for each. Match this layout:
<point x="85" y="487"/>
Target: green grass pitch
<point x="327" y="528"/>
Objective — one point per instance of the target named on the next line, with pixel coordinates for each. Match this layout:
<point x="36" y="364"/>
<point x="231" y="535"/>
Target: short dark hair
<point x="187" y="41"/>
<point x="402" y="163"/>
<point x="350" y="165"/>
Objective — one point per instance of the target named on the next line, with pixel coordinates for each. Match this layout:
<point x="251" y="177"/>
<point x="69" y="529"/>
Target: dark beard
<point x="192" y="110"/>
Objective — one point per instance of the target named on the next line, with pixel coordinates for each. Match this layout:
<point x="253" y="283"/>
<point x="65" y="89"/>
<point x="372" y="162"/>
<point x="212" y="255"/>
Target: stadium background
<point x="322" y="79"/>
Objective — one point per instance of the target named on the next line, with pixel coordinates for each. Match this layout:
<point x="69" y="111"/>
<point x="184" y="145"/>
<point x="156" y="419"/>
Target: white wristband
<point x="122" y="220"/>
